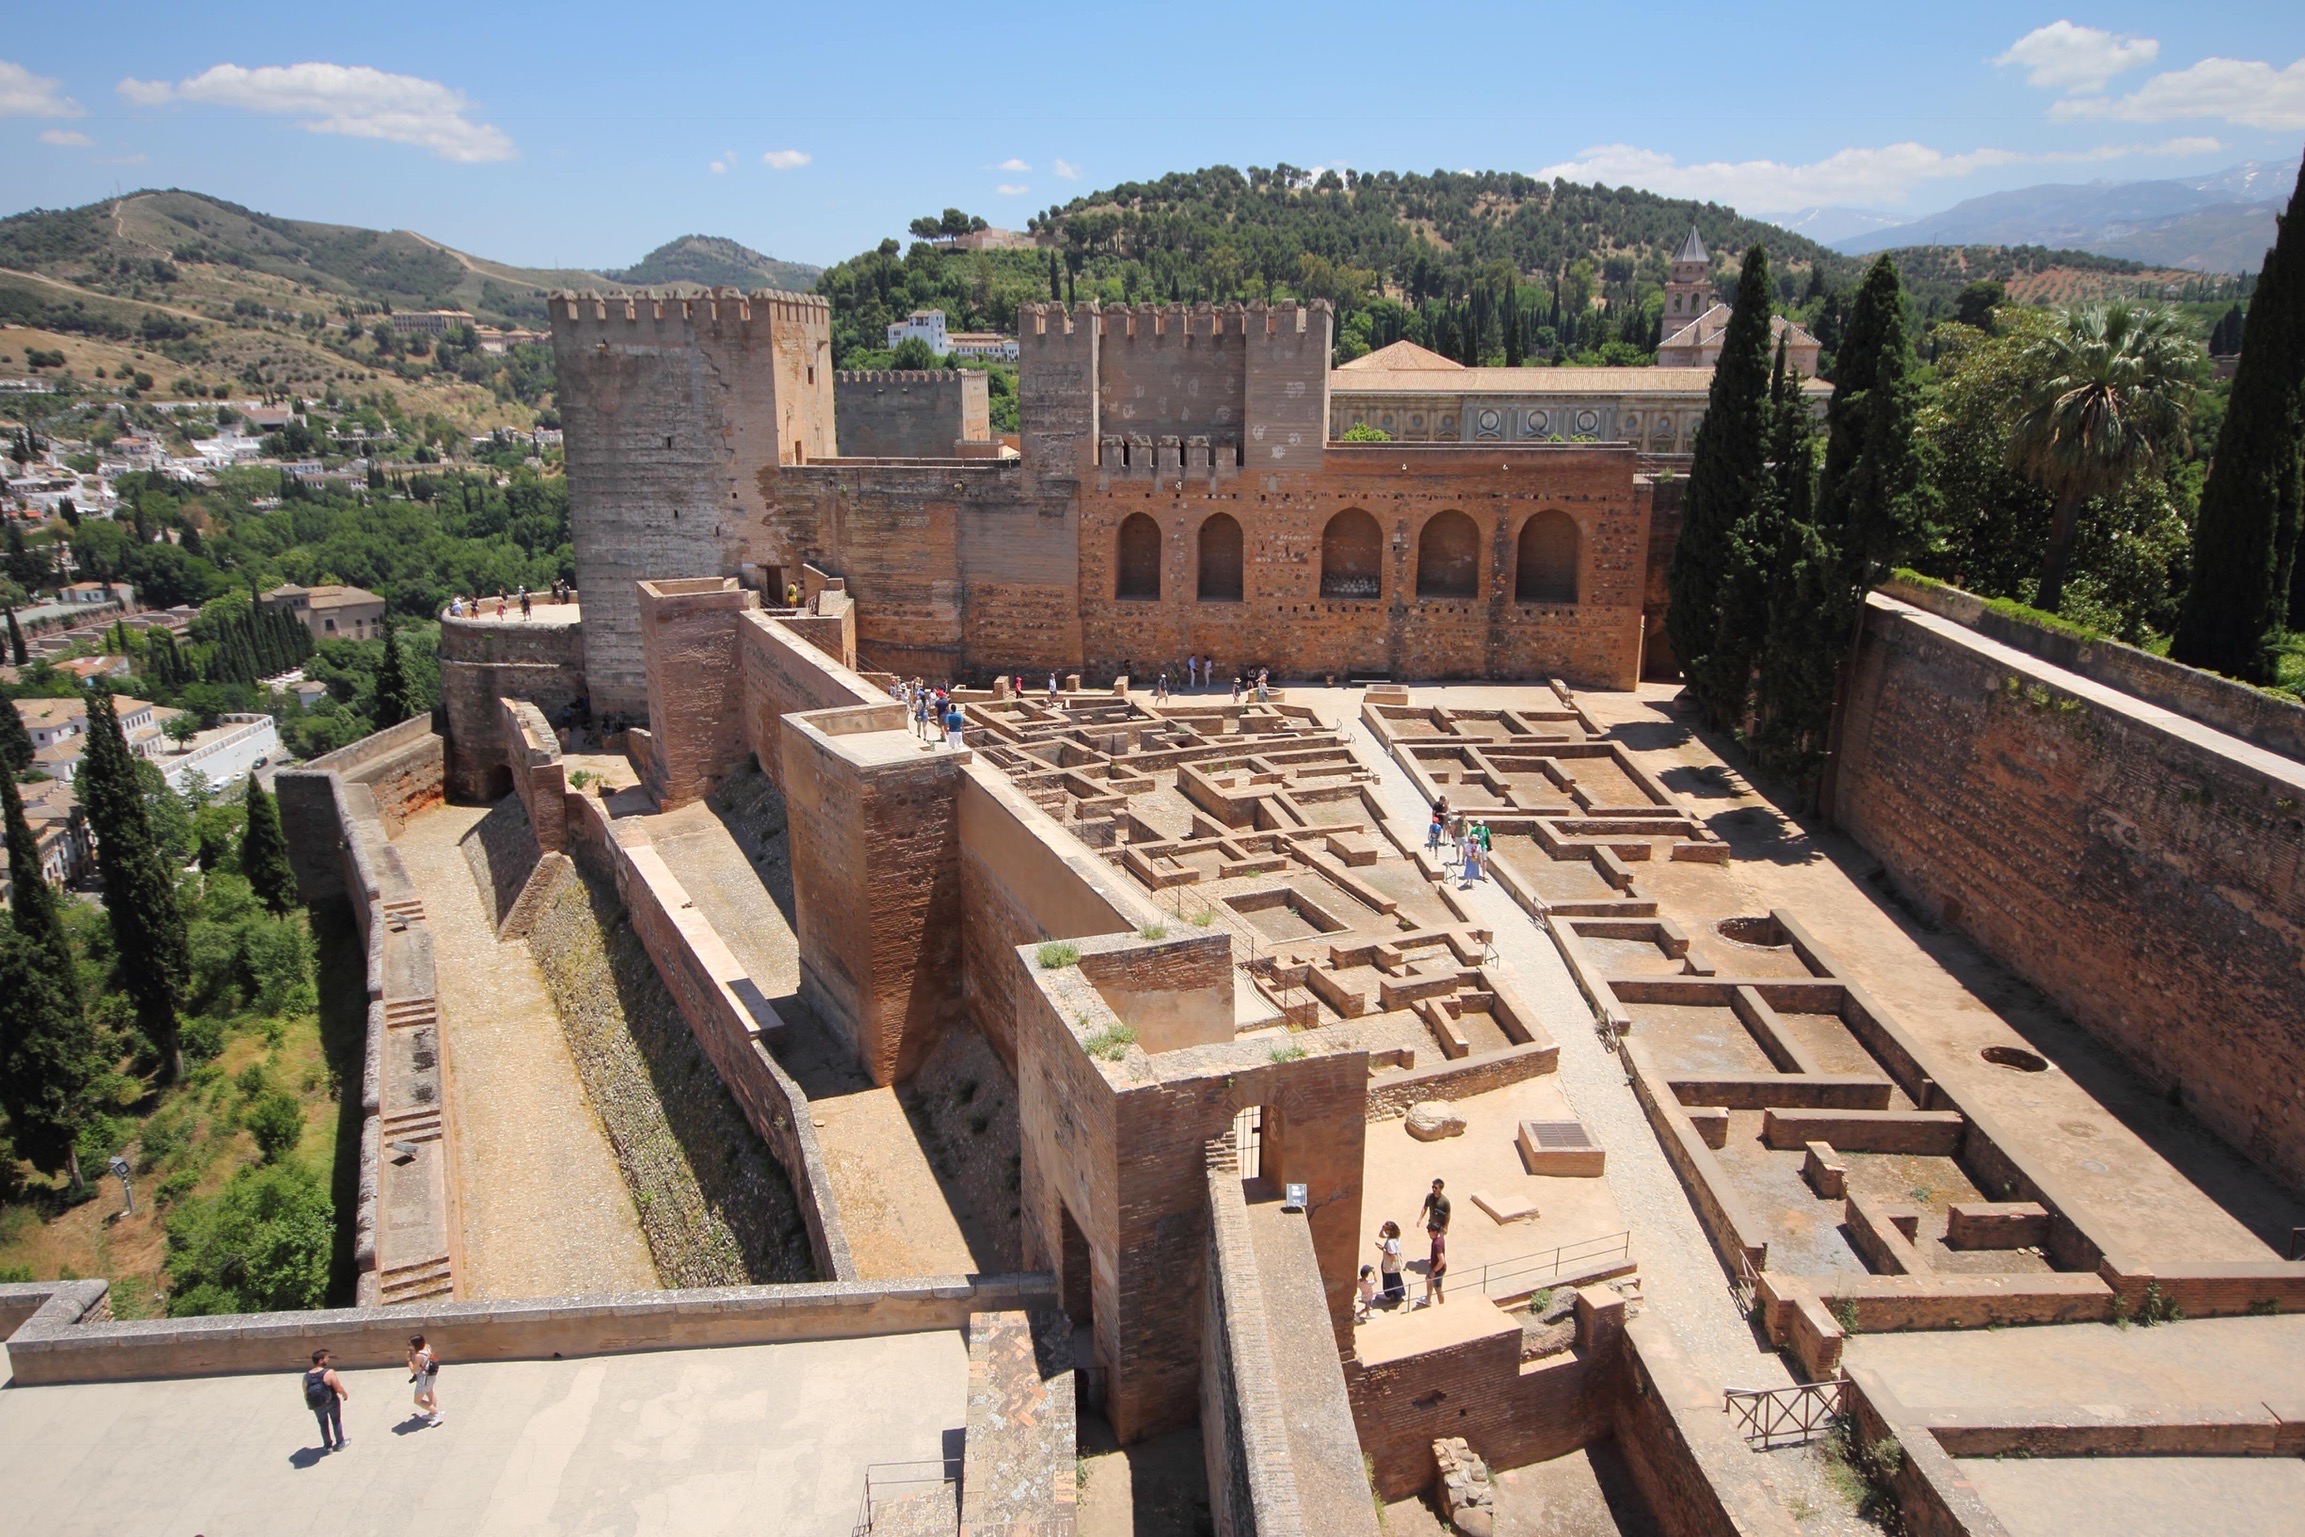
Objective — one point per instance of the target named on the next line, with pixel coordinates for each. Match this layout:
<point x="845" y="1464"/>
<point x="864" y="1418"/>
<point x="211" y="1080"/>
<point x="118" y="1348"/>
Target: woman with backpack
<point x="324" y="1395"/>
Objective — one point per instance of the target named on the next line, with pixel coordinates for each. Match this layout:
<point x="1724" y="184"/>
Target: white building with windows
<point x="927" y="325"/>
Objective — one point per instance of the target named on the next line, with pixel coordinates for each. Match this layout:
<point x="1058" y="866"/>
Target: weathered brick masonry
<point x="2139" y="868"/>
<point x="485" y="660"/>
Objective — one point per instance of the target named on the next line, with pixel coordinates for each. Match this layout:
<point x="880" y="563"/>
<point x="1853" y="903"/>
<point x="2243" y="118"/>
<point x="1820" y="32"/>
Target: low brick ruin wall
<point x="2136" y="866"/>
<point x="402" y="766"/>
<point x="71" y="1337"/>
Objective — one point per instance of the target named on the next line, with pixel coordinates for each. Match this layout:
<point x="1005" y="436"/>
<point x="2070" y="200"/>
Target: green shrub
<point x="1111" y="1043"/>
<point x="258" y="1245"/>
<point x="1289" y="1053"/>
<point x="1204" y="917"/>
<point x="276" y="1121"/>
<point x="1058" y="954"/>
<point x="1153" y="931"/>
<point x="250" y="1081"/>
<point x="202" y="1037"/>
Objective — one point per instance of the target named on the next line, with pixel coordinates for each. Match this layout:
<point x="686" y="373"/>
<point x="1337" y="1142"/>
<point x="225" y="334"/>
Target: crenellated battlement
<point x="721" y="307"/>
<point x="957" y="378"/>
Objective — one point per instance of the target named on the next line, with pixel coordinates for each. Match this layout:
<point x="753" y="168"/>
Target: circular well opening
<point x="2015" y="1057"/>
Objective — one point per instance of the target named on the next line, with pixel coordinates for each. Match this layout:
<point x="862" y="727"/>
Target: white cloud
<point x="24" y="94"/>
<point x="2248" y="92"/>
<point x="719" y="168"/>
<point x="1067" y="170"/>
<point x="348" y="99"/>
<point x="1865" y="175"/>
<point x="786" y="159"/>
<point x="65" y="138"/>
<point x="2064" y="57"/>
<point x="1012" y="189"/>
<point x="1010" y="164"/>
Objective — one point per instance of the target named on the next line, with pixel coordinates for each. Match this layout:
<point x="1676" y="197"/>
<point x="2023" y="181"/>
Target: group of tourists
<point x="461" y="606"/>
<point x="934" y="714"/>
<point x="1382" y="1284"/>
<point x="1459" y="839"/>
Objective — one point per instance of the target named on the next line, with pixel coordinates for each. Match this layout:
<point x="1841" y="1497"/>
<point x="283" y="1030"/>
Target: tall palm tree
<point x="2113" y="386"/>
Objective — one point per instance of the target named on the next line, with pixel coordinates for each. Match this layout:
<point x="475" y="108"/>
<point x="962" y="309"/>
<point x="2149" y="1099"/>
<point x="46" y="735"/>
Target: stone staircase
<point x="422" y="1281"/>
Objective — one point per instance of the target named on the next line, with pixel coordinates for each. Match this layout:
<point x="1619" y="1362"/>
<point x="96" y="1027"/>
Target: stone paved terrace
<point x="742" y="1440"/>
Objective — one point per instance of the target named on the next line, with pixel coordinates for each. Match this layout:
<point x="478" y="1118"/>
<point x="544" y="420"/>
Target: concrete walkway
<point x="542" y="1209"/>
<point x="689" y="1443"/>
<point x="1681" y="1278"/>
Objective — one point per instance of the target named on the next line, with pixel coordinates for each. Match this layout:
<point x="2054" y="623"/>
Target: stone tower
<point x="1689" y="290"/>
<point x="674" y="405"/>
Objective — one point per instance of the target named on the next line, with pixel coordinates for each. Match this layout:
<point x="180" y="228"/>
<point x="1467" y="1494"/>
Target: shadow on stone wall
<point x="340" y="967"/>
<point x="962" y="1105"/>
<point x="501" y="851"/>
<point x="715" y="1205"/>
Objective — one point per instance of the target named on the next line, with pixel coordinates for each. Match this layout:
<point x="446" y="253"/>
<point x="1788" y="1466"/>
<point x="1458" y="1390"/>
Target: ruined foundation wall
<point x="2139" y="868"/>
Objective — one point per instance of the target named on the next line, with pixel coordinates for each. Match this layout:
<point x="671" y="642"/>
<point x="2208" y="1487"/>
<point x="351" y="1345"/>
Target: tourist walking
<point x="1365" y="1297"/>
<point x="1436" y="1270"/>
<point x="1435" y="1211"/>
<point x="1433" y="831"/>
<point x="324" y="1395"/>
<point x="954" y="723"/>
<point x="1052" y="688"/>
<point x="524" y="606"/>
<point x="1389" y="1264"/>
<point x="424" y="1372"/>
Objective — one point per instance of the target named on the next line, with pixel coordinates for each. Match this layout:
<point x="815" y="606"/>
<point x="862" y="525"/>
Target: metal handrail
<point x="880" y="1478"/>
<point x="1553" y="1261"/>
<point x="1790" y="1416"/>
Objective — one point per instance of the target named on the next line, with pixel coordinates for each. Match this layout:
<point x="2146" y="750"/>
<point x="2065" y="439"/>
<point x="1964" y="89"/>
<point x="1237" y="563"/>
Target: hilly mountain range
<point x="205" y="243"/>
<point x="2222" y="222"/>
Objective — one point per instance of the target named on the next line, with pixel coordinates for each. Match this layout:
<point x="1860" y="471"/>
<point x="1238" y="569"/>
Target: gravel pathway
<point x="542" y="1209"/>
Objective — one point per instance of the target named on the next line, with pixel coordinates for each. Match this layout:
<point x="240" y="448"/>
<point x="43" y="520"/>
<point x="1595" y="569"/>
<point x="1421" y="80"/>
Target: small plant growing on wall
<point x="1111" y="1043"/>
<point x="1289" y="1053"/>
<point x="1153" y="931"/>
<point x="1057" y="955"/>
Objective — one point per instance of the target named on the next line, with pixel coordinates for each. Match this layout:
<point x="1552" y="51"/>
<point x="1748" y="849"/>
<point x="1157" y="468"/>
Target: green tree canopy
<point x="264" y="852"/>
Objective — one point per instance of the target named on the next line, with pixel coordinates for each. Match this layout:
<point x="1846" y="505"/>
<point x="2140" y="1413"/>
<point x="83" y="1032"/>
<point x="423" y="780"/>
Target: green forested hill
<point x="1484" y="266"/>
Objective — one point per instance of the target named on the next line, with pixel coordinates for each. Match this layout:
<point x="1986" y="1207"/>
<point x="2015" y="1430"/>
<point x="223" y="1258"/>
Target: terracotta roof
<point x="1536" y="381"/>
<point x="1401" y="357"/>
<point x="50" y="712"/>
<point x="334" y="596"/>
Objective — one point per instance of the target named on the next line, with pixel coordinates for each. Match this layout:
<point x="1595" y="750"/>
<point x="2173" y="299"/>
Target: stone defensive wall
<point x="724" y="1007"/>
<point x="340" y="815"/>
<point x="920" y="413"/>
<point x="64" y="1332"/>
<point x="483" y="660"/>
<point x="2134" y="861"/>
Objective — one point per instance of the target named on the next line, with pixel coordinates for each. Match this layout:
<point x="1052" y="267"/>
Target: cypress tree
<point x="1724" y="479"/>
<point x="1866" y="510"/>
<point x="148" y="927"/>
<point x="15" y="742"/>
<point x="48" y="1055"/>
<point x="1747" y="575"/>
<point x="17" y="652"/>
<point x="33" y="904"/>
<point x="395" y="696"/>
<point x="2249" y="509"/>
<point x="264" y="852"/>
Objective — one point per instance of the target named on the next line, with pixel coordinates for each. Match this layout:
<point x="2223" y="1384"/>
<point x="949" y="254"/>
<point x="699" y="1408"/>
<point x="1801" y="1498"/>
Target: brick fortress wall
<point x="910" y="413"/>
<point x="485" y="660"/>
<point x="2139" y="868"/>
<point x="962" y="566"/>
<point x="672" y="406"/>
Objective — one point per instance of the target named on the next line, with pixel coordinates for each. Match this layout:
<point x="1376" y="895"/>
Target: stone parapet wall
<point x="67" y="1341"/>
<point x="405" y="1236"/>
<point x="1694" y="1474"/>
<point x="2267" y="720"/>
<point x="402" y="766"/>
<point x="784" y="672"/>
<point x="895" y="413"/>
<point x="688" y="631"/>
<point x="1244" y="1430"/>
<point x="2137" y="867"/>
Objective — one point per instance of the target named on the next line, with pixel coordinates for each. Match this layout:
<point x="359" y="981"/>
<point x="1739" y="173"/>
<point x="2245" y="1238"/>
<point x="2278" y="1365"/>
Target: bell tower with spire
<point x="1689" y="291"/>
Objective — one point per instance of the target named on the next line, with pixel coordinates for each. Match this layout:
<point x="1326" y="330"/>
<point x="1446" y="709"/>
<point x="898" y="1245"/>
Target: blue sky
<point x="586" y="136"/>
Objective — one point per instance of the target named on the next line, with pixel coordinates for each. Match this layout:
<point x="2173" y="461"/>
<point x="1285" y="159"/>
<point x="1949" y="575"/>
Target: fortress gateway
<point x="1176" y="494"/>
